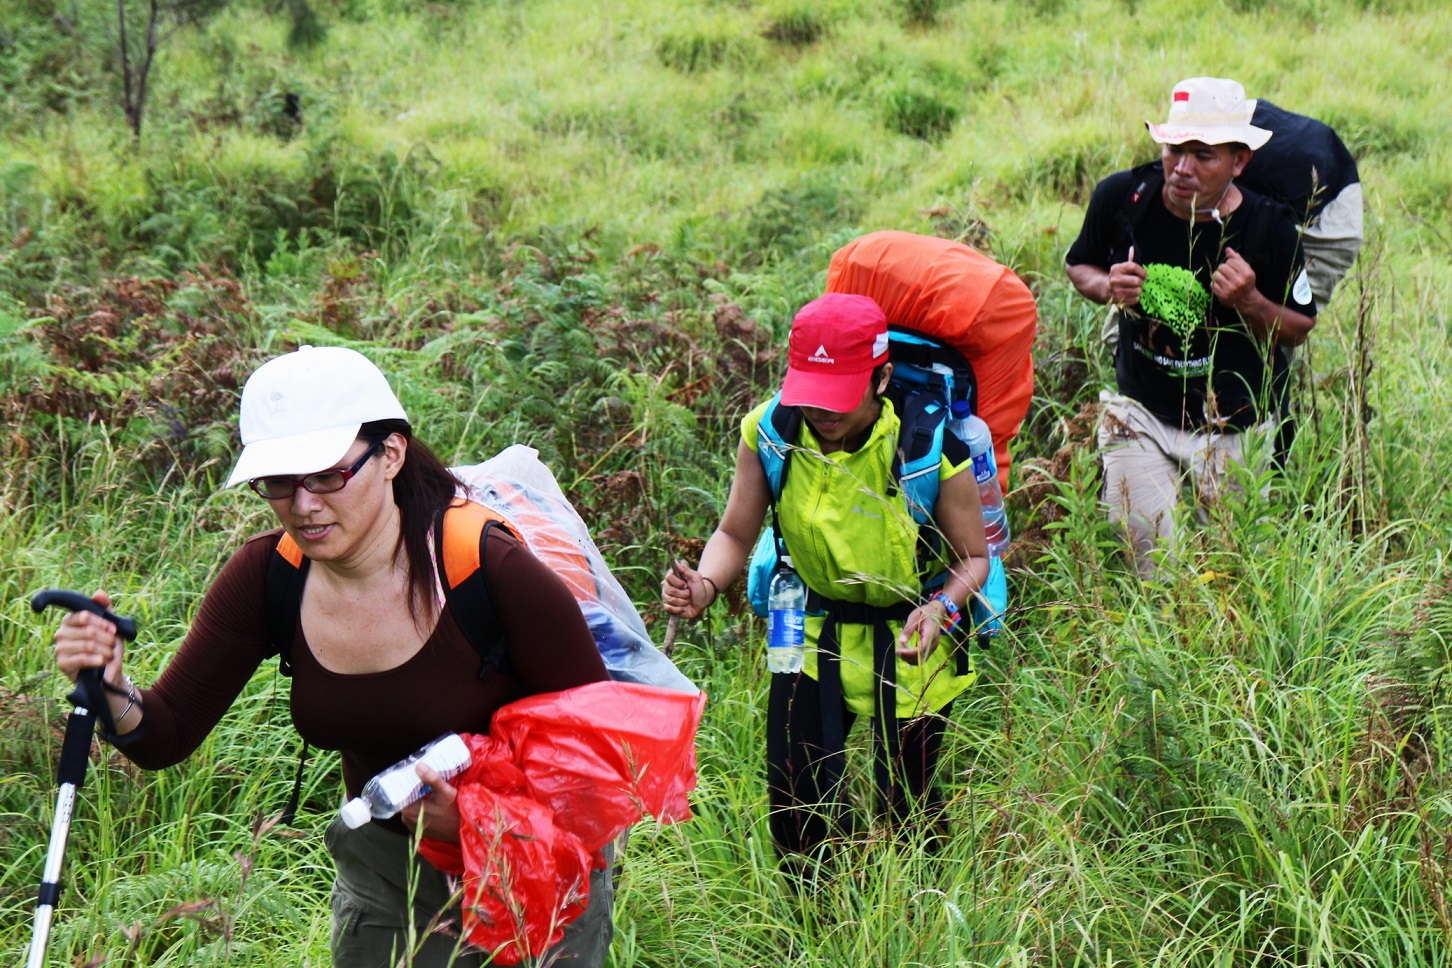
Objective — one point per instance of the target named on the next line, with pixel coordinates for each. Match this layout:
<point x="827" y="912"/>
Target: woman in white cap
<point x="875" y="644"/>
<point x="380" y="666"/>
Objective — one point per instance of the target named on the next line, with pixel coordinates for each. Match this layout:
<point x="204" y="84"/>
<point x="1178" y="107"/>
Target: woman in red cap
<point x="876" y="642"/>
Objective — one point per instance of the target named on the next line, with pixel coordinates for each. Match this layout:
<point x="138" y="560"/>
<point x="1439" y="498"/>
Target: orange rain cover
<point x="955" y="294"/>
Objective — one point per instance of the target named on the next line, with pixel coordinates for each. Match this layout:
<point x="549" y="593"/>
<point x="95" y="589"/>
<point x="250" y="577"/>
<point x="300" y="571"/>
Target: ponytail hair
<point x="422" y="489"/>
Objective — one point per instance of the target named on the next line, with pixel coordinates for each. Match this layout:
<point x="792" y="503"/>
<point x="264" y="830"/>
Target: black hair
<point x="422" y="489"/>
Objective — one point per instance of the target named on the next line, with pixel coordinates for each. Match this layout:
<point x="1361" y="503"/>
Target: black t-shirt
<point x="1180" y="344"/>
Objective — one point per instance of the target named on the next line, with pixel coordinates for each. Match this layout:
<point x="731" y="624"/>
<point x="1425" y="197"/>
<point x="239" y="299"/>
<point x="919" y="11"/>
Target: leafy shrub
<point x="918" y="112"/>
<point x="792" y="217"/>
<point x="706" y="46"/>
<point x="924" y="13"/>
<point x="1065" y="169"/>
<point x="160" y="360"/>
<point x="798" y="25"/>
<point x="45" y="67"/>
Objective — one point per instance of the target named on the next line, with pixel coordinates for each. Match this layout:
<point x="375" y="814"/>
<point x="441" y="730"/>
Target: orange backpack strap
<point x="459" y="537"/>
<point x="460" y="534"/>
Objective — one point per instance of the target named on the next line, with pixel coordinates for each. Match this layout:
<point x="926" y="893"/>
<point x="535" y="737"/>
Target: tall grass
<point x="586" y="228"/>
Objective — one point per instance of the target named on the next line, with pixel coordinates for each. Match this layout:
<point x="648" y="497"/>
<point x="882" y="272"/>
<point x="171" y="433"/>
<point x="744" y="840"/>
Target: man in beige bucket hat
<point x="1206" y="279"/>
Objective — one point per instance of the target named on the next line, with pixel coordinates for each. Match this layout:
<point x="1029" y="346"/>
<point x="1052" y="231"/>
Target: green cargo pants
<point x="371" y="917"/>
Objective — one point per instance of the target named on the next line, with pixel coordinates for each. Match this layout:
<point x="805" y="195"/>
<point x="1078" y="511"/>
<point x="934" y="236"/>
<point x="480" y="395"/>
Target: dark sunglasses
<point x="323" y="482"/>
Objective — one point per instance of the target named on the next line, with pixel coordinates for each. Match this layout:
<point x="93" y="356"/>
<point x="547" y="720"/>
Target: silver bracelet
<point x="131" y="699"/>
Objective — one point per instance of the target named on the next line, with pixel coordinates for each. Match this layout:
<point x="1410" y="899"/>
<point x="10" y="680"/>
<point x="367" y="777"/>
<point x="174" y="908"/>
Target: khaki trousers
<point x="1147" y="464"/>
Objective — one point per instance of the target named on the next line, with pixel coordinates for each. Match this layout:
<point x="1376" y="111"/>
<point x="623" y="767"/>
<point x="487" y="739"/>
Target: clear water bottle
<point x="974" y="432"/>
<point x="786" y="636"/>
<point x="399" y="785"/>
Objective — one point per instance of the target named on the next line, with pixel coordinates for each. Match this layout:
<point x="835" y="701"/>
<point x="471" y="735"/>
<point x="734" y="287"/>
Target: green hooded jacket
<point x="851" y="542"/>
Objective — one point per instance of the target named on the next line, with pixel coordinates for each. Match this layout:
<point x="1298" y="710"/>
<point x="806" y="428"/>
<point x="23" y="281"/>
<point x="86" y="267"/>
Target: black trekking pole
<point x="89" y="699"/>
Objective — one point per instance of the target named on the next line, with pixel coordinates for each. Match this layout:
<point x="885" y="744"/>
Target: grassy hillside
<point x="585" y="227"/>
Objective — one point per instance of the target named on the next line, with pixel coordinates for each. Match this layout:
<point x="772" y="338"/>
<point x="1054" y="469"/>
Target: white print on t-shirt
<point x="1301" y="290"/>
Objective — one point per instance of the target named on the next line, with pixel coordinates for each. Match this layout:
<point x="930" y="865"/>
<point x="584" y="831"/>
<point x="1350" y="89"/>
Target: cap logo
<point x="821" y="355"/>
<point x="277" y="402"/>
<point x="1182" y="96"/>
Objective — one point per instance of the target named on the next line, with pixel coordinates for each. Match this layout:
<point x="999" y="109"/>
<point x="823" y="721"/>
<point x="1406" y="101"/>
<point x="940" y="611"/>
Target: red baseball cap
<point x="836" y="342"/>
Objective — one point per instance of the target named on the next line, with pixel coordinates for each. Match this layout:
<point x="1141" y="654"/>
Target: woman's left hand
<point x="438" y="811"/>
<point x="920" y="632"/>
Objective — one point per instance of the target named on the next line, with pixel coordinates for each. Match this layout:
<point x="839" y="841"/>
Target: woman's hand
<point x="925" y="624"/>
<point x="87" y="641"/>
<point x="686" y="592"/>
<point x="438" y="811"/>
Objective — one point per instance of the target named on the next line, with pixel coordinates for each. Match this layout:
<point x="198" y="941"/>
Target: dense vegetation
<point x="585" y="227"/>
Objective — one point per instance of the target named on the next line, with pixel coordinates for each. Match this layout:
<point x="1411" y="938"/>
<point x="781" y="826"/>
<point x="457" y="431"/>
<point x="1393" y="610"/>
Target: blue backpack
<point x="927" y="377"/>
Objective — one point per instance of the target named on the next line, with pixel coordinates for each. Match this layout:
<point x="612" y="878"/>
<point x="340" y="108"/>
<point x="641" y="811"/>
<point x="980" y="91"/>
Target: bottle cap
<point x="355" y="813"/>
<point x="961" y="409"/>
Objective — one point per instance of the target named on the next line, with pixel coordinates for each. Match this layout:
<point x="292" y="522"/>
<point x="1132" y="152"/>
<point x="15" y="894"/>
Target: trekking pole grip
<point x="76" y="602"/>
<point x="89" y="692"/>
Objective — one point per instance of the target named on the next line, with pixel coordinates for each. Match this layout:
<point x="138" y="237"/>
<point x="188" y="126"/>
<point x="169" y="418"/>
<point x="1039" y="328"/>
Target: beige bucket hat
<point x="1209" y="109"/>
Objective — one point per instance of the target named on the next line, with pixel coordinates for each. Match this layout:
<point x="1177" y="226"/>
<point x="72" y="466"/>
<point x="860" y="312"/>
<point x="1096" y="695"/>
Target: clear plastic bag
<point x="518" y="485"/>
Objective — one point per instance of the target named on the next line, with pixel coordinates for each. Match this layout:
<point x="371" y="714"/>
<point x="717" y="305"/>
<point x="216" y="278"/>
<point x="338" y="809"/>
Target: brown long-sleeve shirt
<point x="374" y="719"/>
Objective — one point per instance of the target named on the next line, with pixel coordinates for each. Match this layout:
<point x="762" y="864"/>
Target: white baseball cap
<point x="301" y="411"/>
<point x="1211" y="110"/>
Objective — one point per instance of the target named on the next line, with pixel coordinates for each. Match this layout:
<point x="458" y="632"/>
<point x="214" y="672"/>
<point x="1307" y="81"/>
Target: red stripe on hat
<point x="1182" y="95"/>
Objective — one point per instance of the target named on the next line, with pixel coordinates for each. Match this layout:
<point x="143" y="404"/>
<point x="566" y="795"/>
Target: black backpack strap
<point x="287" y="572"/>
<point x="918" y="427"/>
<point x="468" y="595"/>
<point x="289" y="810"/>
<point x="787" y="422"/>
<point x="1262" y="215"/>
<point x="1145" y="184"/>
<point x="887" y="746"/>
<point x="829" y="685"/>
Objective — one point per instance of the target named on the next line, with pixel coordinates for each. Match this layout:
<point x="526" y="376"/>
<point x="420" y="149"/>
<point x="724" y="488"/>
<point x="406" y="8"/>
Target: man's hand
<point x="1126" y="281"/>
<point x="1234" y="283"/>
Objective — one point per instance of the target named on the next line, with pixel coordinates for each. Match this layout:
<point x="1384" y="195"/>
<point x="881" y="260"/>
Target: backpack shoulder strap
<point x="776" y="434"/>
<point x="460" y="536"/>
<point x="287" y="571"/>
<point x="1145" y="183"/>
<point x="920" y="452"/>
<point x="1264" y="212"/>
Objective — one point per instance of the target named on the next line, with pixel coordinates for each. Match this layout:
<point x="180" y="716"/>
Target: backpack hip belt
<point x="887" y="746"/>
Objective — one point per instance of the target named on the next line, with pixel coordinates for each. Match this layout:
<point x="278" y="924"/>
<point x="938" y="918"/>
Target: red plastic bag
<point x="558" y="777"/>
